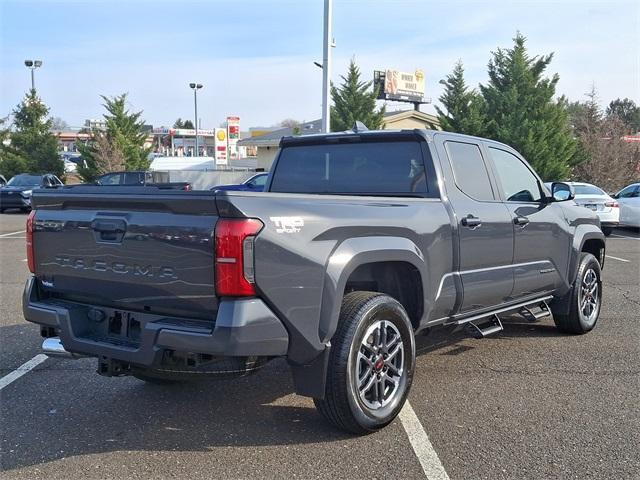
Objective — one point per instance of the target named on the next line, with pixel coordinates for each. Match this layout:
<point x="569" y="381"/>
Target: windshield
<point x="25" y="181"/>
<point x="588" y="190"/>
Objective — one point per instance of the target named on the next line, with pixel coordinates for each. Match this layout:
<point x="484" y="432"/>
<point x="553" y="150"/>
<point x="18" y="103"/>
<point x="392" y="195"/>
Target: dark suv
<point x="17" y="192"/>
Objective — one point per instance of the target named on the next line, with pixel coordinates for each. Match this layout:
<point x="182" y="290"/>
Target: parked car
<point x="3" y="181"/>
<point x="629" y="200"/>
<point x="141" y="178"/>
<point x="597" y="200"/>
<point x="361" y="241"/>
<point x="17" y="192"/>
<point x="253" y="184"/>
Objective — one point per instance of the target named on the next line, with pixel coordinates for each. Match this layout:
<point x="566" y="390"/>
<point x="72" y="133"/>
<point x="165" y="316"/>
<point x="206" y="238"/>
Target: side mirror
<point x="562" y="191"/>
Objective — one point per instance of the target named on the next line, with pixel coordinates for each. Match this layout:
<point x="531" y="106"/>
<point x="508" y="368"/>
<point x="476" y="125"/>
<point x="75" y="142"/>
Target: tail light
<point x="611" y="204"/>
<point x="30" y="257"/>
<point x="234" y="265"/>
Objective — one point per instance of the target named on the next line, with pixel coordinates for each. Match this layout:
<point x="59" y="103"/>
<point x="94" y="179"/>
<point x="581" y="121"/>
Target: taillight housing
<point x="611" y="204"/>
<point x="30" y="258"/>
<point x="234" y="264"/>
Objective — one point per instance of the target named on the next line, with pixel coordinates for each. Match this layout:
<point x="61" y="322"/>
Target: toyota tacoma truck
<point x="360" y="241"/>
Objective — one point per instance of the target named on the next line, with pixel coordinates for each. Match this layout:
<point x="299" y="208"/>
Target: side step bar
<point x="532" y="315"/>
<point x="493" y="325"/>
<point x="481" y="325"/>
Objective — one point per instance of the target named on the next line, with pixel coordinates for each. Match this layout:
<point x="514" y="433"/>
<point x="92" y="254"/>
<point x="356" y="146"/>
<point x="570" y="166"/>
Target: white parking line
<point x="431" y="465"/>
<point x="22" y="369"/>
<point x="622" y="236"/>
<point x="12" y="233"/>
<point x="616" y="258"/>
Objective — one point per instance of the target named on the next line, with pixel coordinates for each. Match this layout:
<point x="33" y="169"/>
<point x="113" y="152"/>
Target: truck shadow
<point x="63" y="409"/>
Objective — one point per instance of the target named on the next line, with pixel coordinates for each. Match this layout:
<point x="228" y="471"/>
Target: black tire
<point x="577" y="321"/>
<point x="1" y="210"/>
<point x="344" y="404"/>
<point x="607" y="231"/>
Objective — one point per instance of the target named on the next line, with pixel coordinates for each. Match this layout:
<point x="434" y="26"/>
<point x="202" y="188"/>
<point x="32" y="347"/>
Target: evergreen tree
<point x="627" y="111"/>
<point x="354" y="101"/>
<point x="188" y="124"/>
<point x="521" y="111"/>
<point x="32" y="147"/>
<point x="124" y="140"/>
<point x="178" y="123"/>
<point x="462" y="106"/>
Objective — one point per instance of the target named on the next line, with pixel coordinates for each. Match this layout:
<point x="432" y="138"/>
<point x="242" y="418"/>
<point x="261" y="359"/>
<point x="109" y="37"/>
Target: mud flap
<point x="310" y="380"/>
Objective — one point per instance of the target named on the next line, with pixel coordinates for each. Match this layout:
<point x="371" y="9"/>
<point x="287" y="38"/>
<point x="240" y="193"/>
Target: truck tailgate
<point x="132" y="248"/>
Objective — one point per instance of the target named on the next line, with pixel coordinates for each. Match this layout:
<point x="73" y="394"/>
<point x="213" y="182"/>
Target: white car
<point x="593" y="198"/>
<point x="629" y="200"/>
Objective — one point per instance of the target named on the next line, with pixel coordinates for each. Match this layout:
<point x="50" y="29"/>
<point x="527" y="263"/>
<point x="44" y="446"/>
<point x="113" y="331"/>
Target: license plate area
<point x="591" y="206"/>
<point x="111" y="326"/>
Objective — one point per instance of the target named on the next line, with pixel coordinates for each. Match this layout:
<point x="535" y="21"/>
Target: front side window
<point x="469" y="170"/>
<point x="629" y="192"/>
<point x="113" y="179"/>
<point x="259" y="181"/>
<point x="518" y="183"/>
<point x="371" y="168"/>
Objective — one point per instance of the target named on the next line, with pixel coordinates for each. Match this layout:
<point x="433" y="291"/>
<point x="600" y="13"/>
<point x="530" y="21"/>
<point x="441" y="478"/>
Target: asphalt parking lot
<point x="528" y="402"/>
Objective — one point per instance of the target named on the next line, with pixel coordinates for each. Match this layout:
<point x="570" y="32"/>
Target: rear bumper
<point x="242" y="327"/>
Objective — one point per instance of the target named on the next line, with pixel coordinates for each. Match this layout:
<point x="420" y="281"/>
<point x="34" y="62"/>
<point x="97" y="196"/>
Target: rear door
<point x="542" y="238"/>
<point x="485" y="232"/>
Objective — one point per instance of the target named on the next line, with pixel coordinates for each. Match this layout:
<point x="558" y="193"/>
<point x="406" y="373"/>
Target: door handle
<point x="521" y="221"/>
<point x="471" y="221"/>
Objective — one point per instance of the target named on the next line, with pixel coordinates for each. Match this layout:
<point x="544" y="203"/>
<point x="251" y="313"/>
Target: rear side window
<point x="469" y="170"/>
<point x="394" y="168"/>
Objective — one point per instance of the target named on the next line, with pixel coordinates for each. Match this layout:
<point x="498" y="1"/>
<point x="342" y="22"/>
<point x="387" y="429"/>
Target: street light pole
<point x="32" y="65"/>
<point x="196" y="87"/>
<point x="326" y="66"/>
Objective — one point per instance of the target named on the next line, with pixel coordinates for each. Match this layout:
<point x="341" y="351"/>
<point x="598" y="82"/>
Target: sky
<point x="255" y="57"/>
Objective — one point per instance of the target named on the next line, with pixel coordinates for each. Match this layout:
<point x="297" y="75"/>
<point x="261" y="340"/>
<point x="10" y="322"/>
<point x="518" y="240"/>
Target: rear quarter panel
<point x="311" y="243"/>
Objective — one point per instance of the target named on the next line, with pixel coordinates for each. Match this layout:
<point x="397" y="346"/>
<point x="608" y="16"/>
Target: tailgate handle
<point x="109" y="230"/>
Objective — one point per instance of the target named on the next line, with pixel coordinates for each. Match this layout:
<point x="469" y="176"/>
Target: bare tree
<point x="58" y="124"/>
<point x="108" y="156"/>
<point x="611" y="162"/>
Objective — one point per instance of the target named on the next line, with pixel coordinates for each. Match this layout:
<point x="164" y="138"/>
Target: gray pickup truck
<point x="361" y="240"/>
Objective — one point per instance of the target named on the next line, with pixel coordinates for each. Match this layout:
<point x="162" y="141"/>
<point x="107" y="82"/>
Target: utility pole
<point x="326" y="66"/>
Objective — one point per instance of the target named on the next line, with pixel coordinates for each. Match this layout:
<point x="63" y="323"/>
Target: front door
<point x="542" y="238"/>
<point x="485" y="233"/>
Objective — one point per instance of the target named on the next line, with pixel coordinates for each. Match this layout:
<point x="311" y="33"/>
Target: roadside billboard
<point x="402" y="86"/>
<point x="233" y="135"/>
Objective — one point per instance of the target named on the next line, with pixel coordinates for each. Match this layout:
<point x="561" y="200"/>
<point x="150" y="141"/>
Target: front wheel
<point x="585" y="298"/>
<point x="371" y="364"/>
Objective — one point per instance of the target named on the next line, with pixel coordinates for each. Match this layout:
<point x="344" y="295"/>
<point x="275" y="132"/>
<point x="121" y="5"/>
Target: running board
<point x="492" y="325"/>
<point x="532" y="315"/>
<point x="508" y="308"/>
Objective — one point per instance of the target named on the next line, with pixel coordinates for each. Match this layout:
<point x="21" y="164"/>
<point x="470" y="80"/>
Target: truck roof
<point x="317" y="138"/>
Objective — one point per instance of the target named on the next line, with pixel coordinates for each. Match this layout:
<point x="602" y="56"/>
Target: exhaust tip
<point x="54" y="348"/>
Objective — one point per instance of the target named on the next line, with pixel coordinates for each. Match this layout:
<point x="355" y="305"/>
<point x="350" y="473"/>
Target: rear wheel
<point x="371" y="364"/>
<point x="585" y="298"/>
<point x="607" y="231"/>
